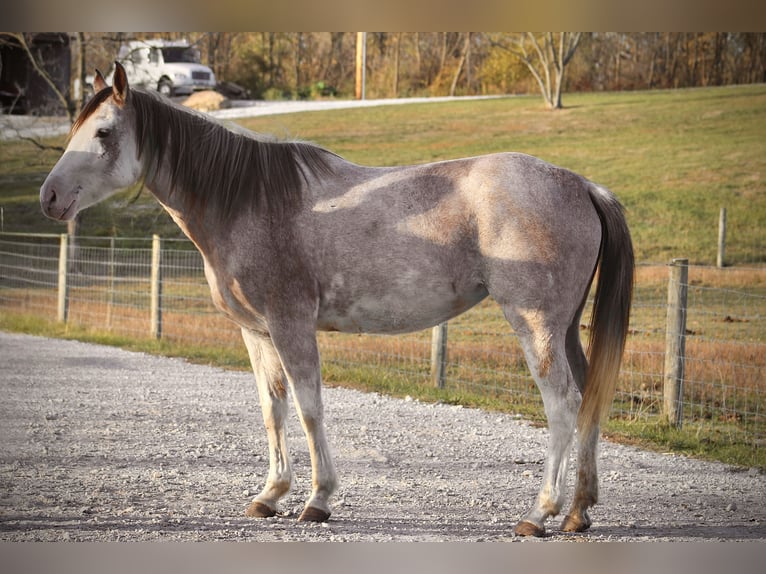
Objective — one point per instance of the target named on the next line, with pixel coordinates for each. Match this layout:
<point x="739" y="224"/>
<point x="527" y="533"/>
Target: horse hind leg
<point x="586" y="488"/>
<point x="269" y="379"/>
<point x="544" y="349"/>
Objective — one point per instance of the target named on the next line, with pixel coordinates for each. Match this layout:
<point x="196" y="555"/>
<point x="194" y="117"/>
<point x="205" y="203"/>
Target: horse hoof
<point x="574" y="524"/>
<point x="259" y="510"/>
<point x="525" y="528"/>
<point x="312" y="514"/>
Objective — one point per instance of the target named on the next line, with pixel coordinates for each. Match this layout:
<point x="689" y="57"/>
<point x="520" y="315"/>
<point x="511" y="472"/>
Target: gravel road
<point x="108" y="445"/>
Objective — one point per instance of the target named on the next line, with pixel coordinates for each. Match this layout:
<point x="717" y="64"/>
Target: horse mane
<point x="213" y="166"/>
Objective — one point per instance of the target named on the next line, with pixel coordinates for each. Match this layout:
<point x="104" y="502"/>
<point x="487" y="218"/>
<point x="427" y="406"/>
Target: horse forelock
<point x="89" y="109"/>
<point x="220" y="169"/>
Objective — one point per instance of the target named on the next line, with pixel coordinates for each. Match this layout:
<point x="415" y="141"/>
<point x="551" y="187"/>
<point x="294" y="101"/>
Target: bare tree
<point x="465" y="55"/>
<point x="546" y="56"/>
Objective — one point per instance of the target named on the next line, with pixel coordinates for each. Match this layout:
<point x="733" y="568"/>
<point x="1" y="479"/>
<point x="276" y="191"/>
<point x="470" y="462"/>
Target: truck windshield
<point x="179" y="54"/>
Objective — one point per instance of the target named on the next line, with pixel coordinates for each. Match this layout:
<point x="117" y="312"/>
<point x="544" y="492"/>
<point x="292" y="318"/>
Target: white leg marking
<point x="269" y="379"/>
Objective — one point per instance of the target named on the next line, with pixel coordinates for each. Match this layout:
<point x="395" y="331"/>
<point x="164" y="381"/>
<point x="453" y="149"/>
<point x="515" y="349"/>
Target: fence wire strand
<point x="109" y="289"/>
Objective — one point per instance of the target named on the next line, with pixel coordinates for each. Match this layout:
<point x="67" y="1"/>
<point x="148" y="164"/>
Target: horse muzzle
<point x="57" y="204"/>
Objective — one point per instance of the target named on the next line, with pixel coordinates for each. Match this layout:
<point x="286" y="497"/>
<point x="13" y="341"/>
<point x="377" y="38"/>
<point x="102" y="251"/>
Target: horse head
<point x="101" y="157"/>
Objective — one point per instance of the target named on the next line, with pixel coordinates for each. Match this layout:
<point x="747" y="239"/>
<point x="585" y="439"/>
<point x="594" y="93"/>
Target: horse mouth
<point x="65" y="215"/>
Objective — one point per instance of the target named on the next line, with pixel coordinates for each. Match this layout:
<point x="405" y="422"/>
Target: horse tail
<point x="611" y="310"/>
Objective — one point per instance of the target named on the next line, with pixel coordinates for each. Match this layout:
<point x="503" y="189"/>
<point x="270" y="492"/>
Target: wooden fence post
<point x="721" y="238"/>
<point x="675" y="341"/>
<point x="155" y="304"/>
<point x="63" y="299"/>
<point x="439" y="355"/>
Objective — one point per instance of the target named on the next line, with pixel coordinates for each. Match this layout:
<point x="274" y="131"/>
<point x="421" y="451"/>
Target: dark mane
<point x="214" y="167"/>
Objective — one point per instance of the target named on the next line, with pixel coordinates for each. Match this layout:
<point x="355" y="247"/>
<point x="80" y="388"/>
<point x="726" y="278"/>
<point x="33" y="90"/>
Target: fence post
<point x="110" y="293"/>
<point x="721" y="238"/>
<point x="155" y="304"/>
<point x="675" y="341"/>
<point x="439" y="355"/>
<point x="63" y="300"/>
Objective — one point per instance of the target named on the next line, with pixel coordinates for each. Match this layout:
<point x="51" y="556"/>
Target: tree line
<point x="279" y="65"/>
<point x="400" y="64"/>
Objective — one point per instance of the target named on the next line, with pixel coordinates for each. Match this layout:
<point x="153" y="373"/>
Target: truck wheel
<point x="165" y="88"/>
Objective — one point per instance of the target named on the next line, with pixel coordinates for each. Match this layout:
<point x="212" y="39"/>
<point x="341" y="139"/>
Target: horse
<point x="296" y="239"/>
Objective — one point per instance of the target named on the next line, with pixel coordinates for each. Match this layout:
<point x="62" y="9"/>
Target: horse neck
<point x="158" y="136"/>
<point x="206" y="176"/>
<point x="173" y="199"/>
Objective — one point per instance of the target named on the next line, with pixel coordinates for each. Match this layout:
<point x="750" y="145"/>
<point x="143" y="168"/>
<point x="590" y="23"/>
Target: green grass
<point x="705" y="441"/>
<point x="673" y="157"/>
<point x="231" y="357"/>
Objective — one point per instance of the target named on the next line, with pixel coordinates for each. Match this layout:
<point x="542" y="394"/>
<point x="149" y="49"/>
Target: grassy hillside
<point x="673" y="157"/>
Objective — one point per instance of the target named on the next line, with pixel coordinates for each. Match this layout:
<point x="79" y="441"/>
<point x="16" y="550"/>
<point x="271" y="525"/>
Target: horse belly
<point x="396" y="311"/>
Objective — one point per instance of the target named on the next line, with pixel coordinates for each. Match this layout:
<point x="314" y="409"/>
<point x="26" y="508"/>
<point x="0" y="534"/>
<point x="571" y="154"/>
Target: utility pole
<point x="361" y="64"/>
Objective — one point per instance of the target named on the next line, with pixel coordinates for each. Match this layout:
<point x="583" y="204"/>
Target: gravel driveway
<point x="104" y="444"/>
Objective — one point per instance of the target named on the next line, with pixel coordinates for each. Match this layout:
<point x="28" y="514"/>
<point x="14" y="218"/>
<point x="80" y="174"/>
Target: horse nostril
<point x="49" y="196"/>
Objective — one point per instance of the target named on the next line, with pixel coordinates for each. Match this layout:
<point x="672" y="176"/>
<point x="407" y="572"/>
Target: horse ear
<point x="120" y="84"/>
<point x="99" y="83"/>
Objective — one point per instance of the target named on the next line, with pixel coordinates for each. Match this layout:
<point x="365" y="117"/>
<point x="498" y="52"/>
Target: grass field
<point x="673" y="157"/>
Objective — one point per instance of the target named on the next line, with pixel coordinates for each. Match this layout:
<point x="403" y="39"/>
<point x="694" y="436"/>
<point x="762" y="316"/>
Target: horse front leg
<point x="297" y="347"/>
<point x="270" y="381"/>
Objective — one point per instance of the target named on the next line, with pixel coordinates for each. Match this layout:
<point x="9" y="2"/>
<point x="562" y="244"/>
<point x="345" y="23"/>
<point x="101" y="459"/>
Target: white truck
<point x="172" y="68"/>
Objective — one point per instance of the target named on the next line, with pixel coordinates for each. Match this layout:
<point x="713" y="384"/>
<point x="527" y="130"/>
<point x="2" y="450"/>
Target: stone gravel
<point x="102" y="444"/>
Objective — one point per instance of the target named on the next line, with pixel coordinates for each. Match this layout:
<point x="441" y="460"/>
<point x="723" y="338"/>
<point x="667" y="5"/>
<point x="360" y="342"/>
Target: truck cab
<point x="172" y="68"/>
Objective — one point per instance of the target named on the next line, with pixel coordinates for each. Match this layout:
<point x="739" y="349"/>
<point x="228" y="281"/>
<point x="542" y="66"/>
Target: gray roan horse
<point x="295" y="239"/>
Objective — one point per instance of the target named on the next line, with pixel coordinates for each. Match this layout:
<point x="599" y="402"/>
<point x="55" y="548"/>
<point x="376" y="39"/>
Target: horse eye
<point x="102" y="133"/>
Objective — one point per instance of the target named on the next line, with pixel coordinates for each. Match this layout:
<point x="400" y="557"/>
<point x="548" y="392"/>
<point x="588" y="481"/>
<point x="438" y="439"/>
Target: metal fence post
<point x="439" y="355"/>
<point x="675" y="341"/>
<point x="155" y="304"/>
<point x="63" y="288"/>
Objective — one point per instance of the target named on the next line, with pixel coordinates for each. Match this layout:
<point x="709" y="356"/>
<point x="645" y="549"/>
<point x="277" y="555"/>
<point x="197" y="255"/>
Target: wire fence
<point x="109" y="284"/>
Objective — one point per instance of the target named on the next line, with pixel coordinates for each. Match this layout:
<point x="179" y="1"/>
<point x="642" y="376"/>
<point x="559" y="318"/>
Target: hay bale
<point x="206" y="101"/>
